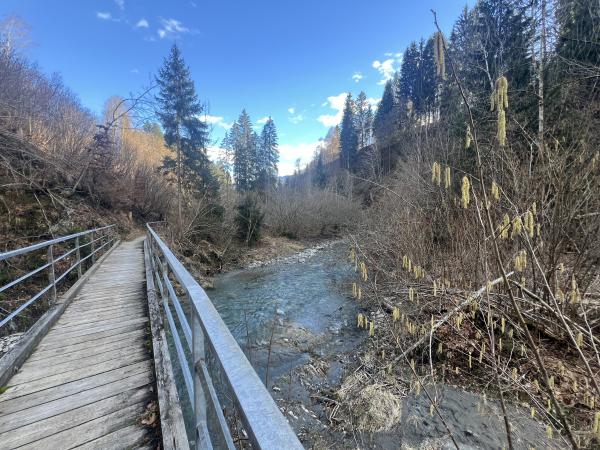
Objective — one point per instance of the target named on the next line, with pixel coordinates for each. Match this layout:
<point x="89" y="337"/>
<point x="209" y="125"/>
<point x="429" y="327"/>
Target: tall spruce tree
<point x="269" y="157"/>
<point x="348" y="136"/>
<point x="383" y="116"/>
<point x="363" y="118"/>
<point x="179" y="110"/>
<point x="244" y="145"/>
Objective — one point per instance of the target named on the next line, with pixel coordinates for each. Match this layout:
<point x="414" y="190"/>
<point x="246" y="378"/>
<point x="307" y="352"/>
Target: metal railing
<point x="98" y="239"/>
<point x="206" y="349"/>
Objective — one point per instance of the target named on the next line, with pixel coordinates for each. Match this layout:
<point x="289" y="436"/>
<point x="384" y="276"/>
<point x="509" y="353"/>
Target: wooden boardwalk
<point x="89" y="380"/>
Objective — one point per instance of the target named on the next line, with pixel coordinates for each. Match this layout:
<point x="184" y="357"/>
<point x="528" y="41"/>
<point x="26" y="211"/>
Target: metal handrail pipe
<point x="40" y="245"/>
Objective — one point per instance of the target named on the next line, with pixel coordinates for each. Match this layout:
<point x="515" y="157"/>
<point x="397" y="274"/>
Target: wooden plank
<point x="89" y="431"/>
<point x="21" y="418"/>
<point x="130" y="437"/>
<point x="73" y="325"/>
<point x="67" y="349"/>
<point x="94" y="310"/>
<point x="71" y="344"/>
<point x="92" y="337"/>
<point x="128" y="354"/>
<point x="59" y="335"/>
<point x="111" y="347"/>
<point x="65" y="389"/>
<point x="48" y="427"/>
<point x="74" y="319"/>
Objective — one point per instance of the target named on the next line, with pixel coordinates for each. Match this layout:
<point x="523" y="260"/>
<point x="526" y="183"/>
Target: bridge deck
<point x="89" y="380"/>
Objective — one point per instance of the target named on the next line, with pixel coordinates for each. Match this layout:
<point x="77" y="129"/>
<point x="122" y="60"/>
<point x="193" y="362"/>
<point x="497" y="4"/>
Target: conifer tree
<point x="348" y="136"/>
<point x="384" y="111"/>
<point x="243" y="142"/>
<point x="269" y="157"/>
<point x="179" y="111"/>
<point x="363" y="118"/>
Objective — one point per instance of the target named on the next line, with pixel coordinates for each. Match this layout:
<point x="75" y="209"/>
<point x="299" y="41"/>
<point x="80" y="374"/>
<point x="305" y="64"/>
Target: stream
<point x="293" y="316"/>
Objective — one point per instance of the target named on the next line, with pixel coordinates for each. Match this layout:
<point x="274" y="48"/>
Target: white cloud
<point x="373" y="102"/>
<point x="262" y="120"/>
<point x="388" y="67"/>
<point x="136" y="71"/>
<point x="357" y="76"/>
<point x="120" y="4"/>
<point x="216" y="153"/>
<point x="288" y="154"/>
<point x="216" y="120"/>
<point x="335" y="102"/>
<point x="171" y="27"/>
<point x="291" y="110"/>
<point x="103" y="15"/>
<point x="142" y="23"/>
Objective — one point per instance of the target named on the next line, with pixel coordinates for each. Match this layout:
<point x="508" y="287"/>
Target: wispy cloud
<point x="262" y="120"/>
<point x="388" y="67"/>
<point x="292" y="110"/>
<point x="357" y="76"/>
<point x="142" y="23"/>
<point x="216" y="120"/>
<point x="171" y="27"/>
<point x="135" y="71"/>
<point x="104" y="15"/>
<point x="335" y="102"/>
<point x="120" y="4"/>
<point x="289" y="153"/>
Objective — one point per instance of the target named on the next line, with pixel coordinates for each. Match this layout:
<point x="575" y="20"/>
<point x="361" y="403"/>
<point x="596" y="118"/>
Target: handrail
<point x="21" y="251"/>
<point x="51" y="261"/>
<point x="264" y="423"/>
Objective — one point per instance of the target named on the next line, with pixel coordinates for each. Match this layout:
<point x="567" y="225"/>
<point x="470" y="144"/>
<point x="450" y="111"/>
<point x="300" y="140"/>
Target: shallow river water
<point x="294" y="313"/>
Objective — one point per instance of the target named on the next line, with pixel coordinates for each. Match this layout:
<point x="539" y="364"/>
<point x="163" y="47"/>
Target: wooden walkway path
<point x="89" y="380"/>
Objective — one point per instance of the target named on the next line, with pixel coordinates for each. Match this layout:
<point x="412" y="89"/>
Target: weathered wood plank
<point x="66" y="388"/>
<point x="84" y="352"/>
<point x="91" y="430"/>
<point x="21" y="418"/>
<point x="64" y="350"/>
<point x="85" y="373"/>
<point x="124" y="355"/>
<point x="47" y="427"/>
<point x="59" y="335"/>
<point x="130" y="437"/>
<point x="115" y="318"/>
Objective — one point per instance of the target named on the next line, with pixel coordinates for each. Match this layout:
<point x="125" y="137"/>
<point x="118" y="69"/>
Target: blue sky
<point x="292" y="60"/>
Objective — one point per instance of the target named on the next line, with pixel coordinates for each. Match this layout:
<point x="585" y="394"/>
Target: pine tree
<point x="363" y="119"/>
<point x="320" y="176"/>
<point x="409" y="78"/>
<point x="348" y="136"/>
<point x="269" y="157"/>
<point x="179" y="111"/>
<point x="383" y="116"/>
<point x="244" y="144"/>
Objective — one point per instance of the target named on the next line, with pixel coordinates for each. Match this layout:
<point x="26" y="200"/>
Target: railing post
<point x="93" y="247"/>
<point x="51" y="274"/>
<point x="200" y="418"/>
<point x="78" y="256"/>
